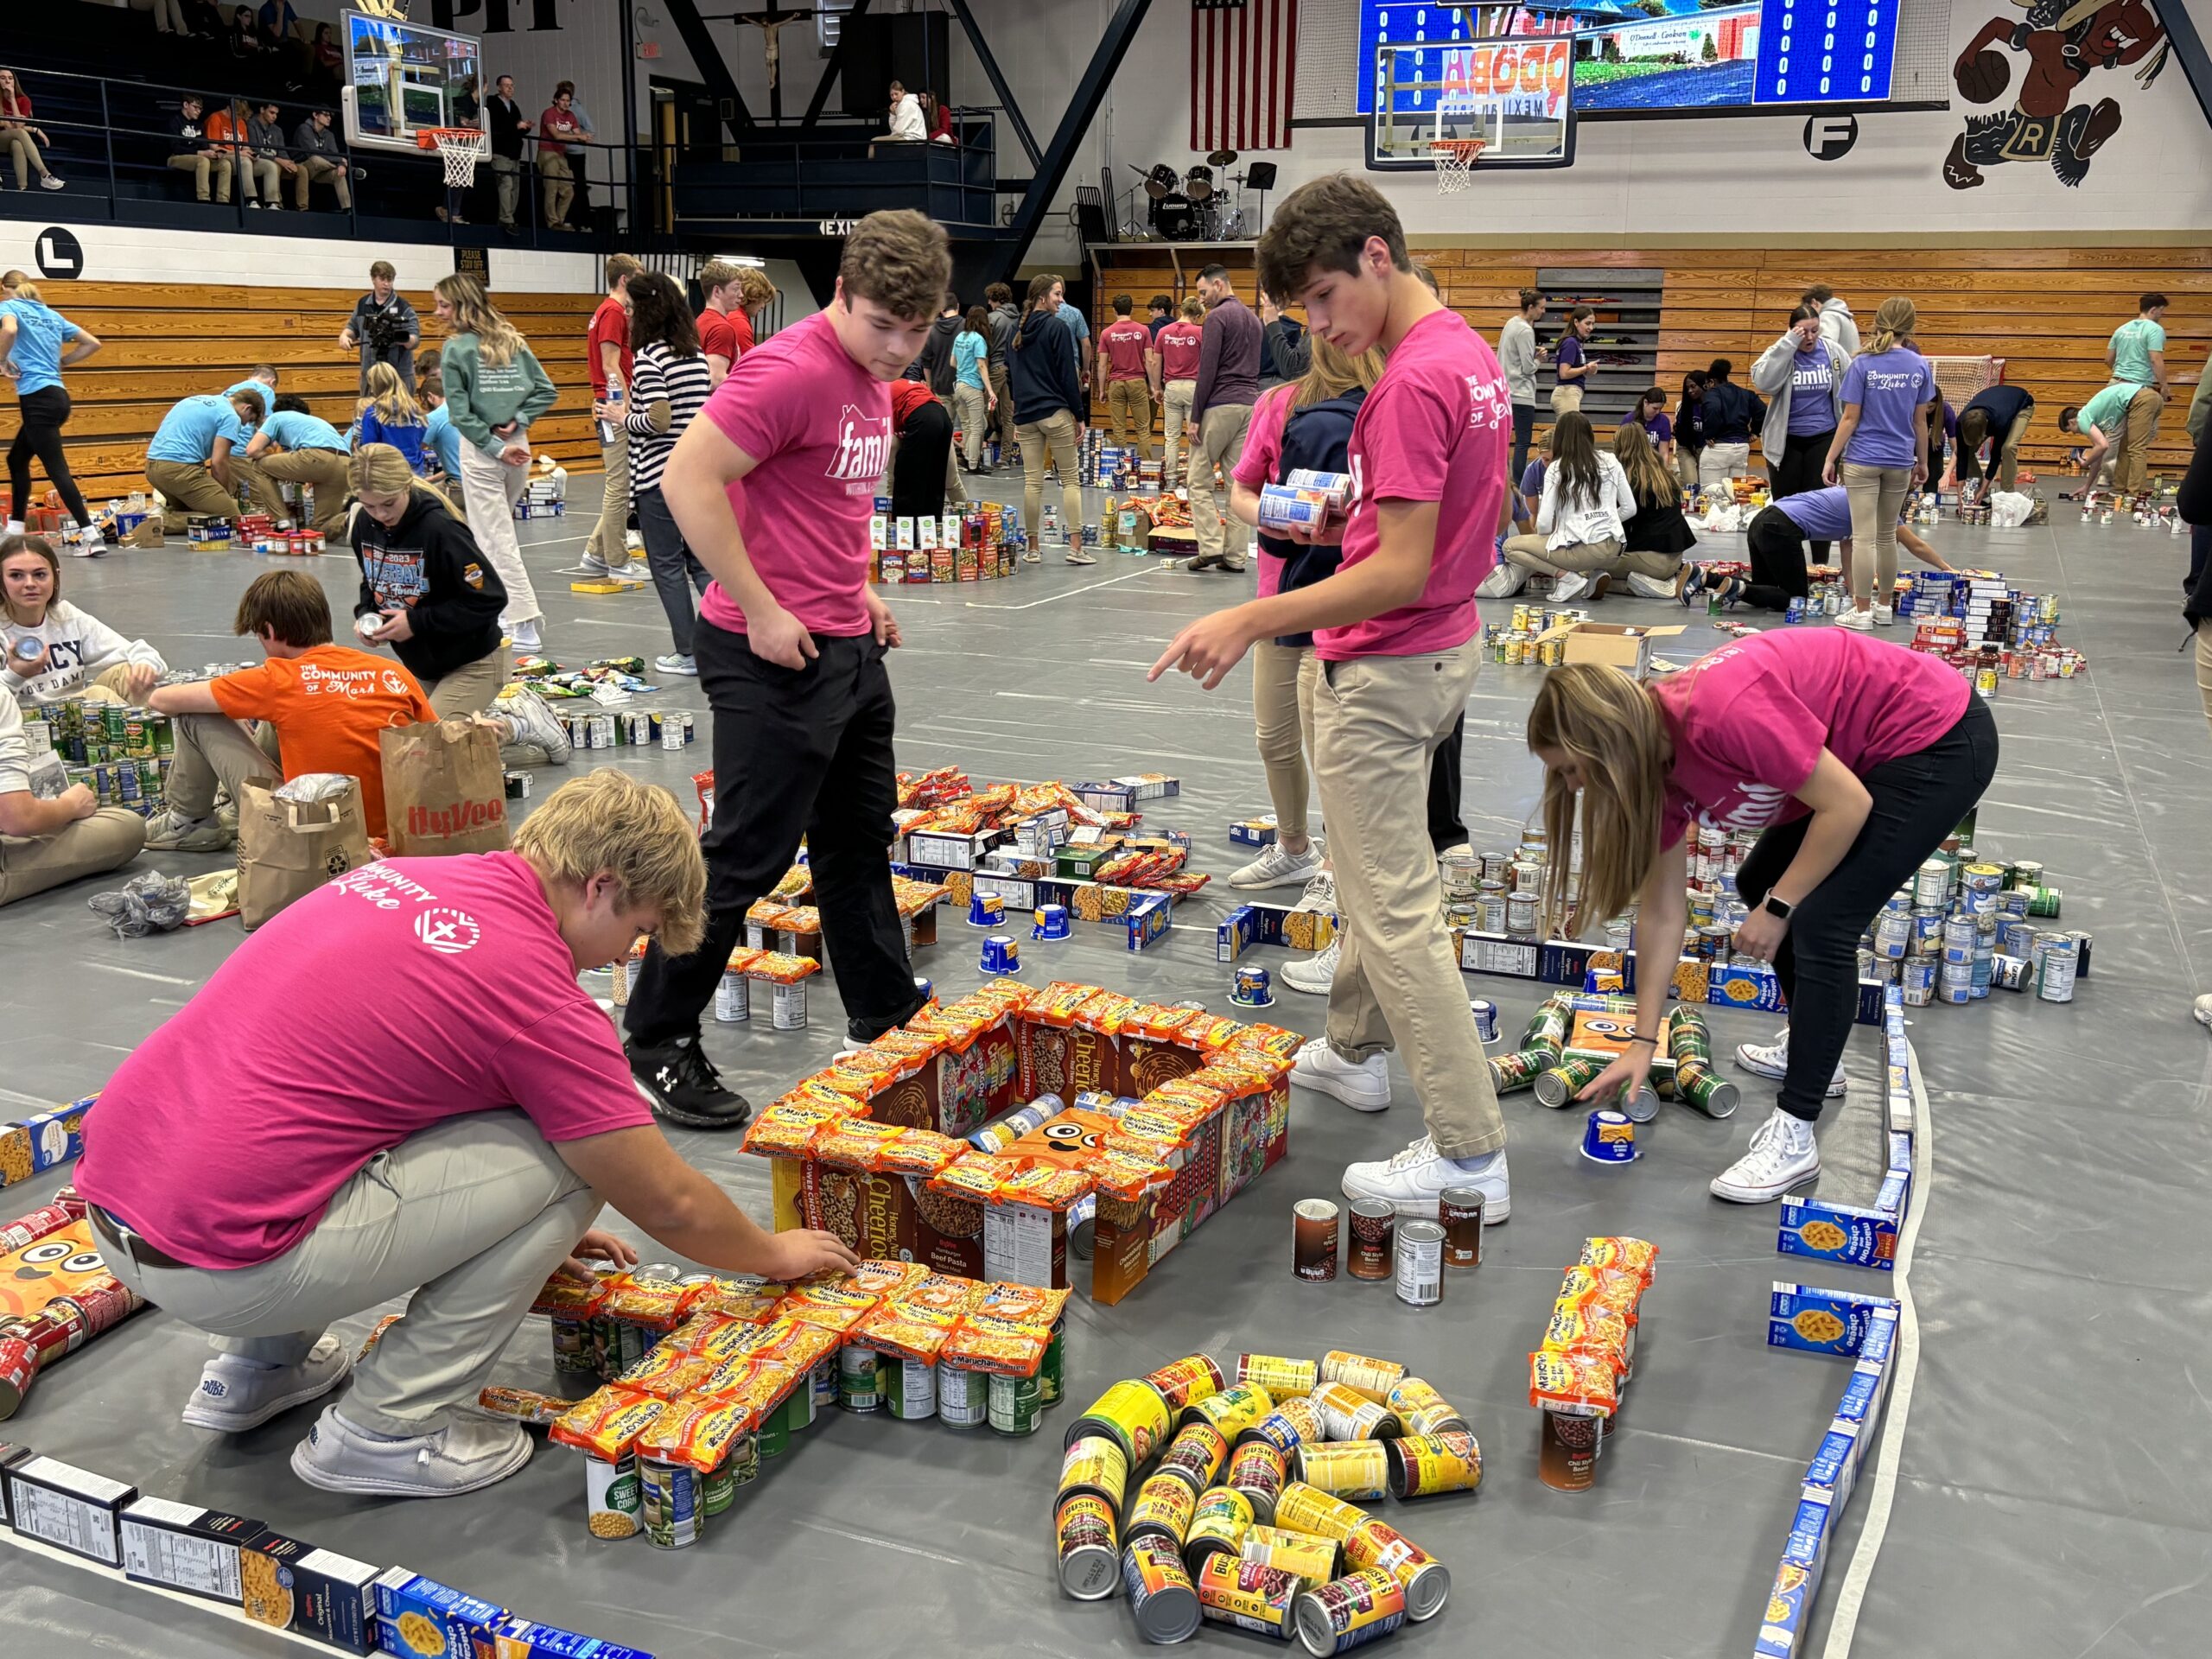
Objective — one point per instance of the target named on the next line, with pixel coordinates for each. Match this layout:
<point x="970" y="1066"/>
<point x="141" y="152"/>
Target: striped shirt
<point x="682" y="381"/>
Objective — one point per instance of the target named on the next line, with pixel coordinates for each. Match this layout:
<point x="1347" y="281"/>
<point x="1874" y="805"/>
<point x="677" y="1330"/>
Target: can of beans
<point x="672" y="1501"/>
<point x="1164" y="1504"/>
<point x="909" y="1387"/>
<point x="1219" y="1520"/>
<point x="1313" y="1240"/>
<point x="1460" y="1212"/>
<point x="860" y="1383"/>
<point x="1373" y="1224"/>
<point x="1098" y="1465"/>
<point x="1161" y="1596"/>
<point x="1347" y="1415"/>
<point x="1424" y="1465"/>
<point x="1292" y="1422"/>
<point x="1425" y="1579"/>
<point x="1233" y="1410"/>
<point x="1372" y="1379"/>
<point x="1559" y="1085"/>
<point x="1249" y="1595"/>
<point x="1350" y="1469"/>
<point x="1131" y="1413"/>
<point x="1195" y="1456"/>
<point x="1084" y="1527"/>
<point x="1312" y="1558"/>
<point x="1350" y="1612"/>
<point x="1182" y="1380"/>
<point x="1280" y="1377"/>
<point x="963" y="1397"/>
<point x="1258" y="1470"/>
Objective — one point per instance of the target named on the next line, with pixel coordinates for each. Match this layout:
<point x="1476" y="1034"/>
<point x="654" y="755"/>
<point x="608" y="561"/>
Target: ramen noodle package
<point x="972" y="1175"/>
<point x="1022" y="1304"/>
<point x="997" y="1346"/>
<point x="567" y="1297"/>
<point x="789" y="1128"/>
<point x="1634" y="1256"/>
<point x="524" y="1405"/>
<point x="920" y="1152"/>
<point x="1580" y="1384"/>
<point x="751" y="1300"/>
<point x="1106" y="1012"/>
<point x="607" y="1424"/>
<point x="780" y="969"/>
<point x="642" y="1300"/>
<point x="695" y="1432"/>
<point x="666" y="1371"/>
<point x="1046" y="1187"/>
<point x="856" y="1144"/>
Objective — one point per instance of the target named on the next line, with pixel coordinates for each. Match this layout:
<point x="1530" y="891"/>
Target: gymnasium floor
<point x="2055" y="1489"/>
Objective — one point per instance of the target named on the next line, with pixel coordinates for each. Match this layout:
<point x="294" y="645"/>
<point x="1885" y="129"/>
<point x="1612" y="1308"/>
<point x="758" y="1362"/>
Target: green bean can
<point x="1509" y="1072"/>
<point x="673" y="1504"/>
<point x="1051" y="1373"/>
<point x="1559" y="1085"/>
<point x="963" y="1397"/>
<point x="775" y="1432"/>
<point x="1706" y="1089"/>
<point x="1688" y="1038"/>
<point x="1016" y="1405"/>
<point x="909" y="1387"/>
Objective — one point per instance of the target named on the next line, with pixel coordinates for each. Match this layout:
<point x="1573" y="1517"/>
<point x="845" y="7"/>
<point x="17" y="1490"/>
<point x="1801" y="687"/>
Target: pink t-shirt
<point x="1749" y="720"/>
<point x="1256" y="467"/>
<point x="820" y="426"/>
<point x="404" y="993"/>
<point x="1438" y="427"/>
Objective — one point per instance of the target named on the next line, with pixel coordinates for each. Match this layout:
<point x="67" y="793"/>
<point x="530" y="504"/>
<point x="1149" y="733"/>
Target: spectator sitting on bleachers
<point x="244" y="37"/>
<point x="232" y="128"/>
<point x="320" y="160"/>
<point x="21" y="139"/>
<point x="325" y="62"/>
<point x="272" y="156"/>
<point x="191" y="152"/>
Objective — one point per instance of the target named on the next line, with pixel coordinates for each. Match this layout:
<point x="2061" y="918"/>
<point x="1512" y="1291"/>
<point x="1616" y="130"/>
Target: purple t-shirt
<point x="1532" y="476"/>
<point x="1660" y="428"/>
<point x="1889" y="389"/>
<point x="1824" y="515"/>
<point x="1812" y="406"/>
<point x="1570" y="355"/>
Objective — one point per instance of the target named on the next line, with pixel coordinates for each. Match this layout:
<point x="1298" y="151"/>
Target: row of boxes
<point x="31" y="1145"/>
<point x="1570" y="962"/>
<point x="1866" y="1236"/>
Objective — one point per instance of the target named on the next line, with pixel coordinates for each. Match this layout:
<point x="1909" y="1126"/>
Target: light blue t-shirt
<point x="1824" y="515"/>
<point x="440" y="438"/>
<point x="2108" y="409"/>
<point x="188" y="432"/>
<point x="297" y="431"/>
<point x="1889" y="389"/>
<point x="968" y="354"/>
<point x="268" y="398"/>
<point x="2132" y="346"/>
<point x="1074" y="320"/>
<point x="40" y="334"/>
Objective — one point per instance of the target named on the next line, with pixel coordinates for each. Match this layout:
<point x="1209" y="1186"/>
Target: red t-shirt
<point x="1438" y="427"/>
<point x="328" y="707"/>
<point x="1123" y="344"/>
<point x="1179" y="343"/>
<point x="1257" y="465"/>
<point x="907" y="397"/>
<point x="726" y="335"/>
<point x="610" y="325"/>
<point x="819" y="425"/>
<point x="1749" y="720"/>
<point x="555" y="123"/>
<point x="432" y="987"/>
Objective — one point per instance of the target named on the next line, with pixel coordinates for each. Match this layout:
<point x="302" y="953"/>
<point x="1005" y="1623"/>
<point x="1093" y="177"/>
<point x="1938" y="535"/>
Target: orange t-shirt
<point x="328" y="705"/>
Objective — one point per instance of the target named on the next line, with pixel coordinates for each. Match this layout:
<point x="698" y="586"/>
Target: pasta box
<point x="1816" y="1321"/>
<point x="1115" y="796"/>
<point x="1797" y="1579"/>
<point x="1279" y="924"/>
<point x="69" y="1508"/>
<point x="1252" y="832"/>
<point x="185" y="1548"/>
<point x="413" y="1612"/>
<point x="317" y="1593"/>
<point x="1826" y="1231"/>
<point x="1157" y="785"/>
<point x="520" y="1639"/>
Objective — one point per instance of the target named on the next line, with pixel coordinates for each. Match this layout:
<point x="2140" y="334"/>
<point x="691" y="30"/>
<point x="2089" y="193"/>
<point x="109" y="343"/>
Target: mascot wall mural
<point x="2068" y="106"/>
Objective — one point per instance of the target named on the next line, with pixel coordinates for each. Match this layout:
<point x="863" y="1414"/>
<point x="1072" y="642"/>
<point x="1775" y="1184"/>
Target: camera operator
<point x="384" y="327"/>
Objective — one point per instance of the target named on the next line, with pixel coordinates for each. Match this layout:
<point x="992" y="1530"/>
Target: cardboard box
<point x="1115" y="796"/>
<point x="1826" y="1231"/>
<point x="1615" y="645"/>
<point x="1065" y="1061"/>
<point x="409" y="1606"/>
<point x="185" y="1548"/>
<point x="1817" y="1321"/>
<point x="1156" y="785"/>
<point x="1252" y="832"/>
<point x="938" y="849"/>
<point x="959" y="1091"/>
<point x="1797" y="1579"/>
<point x="520" y="1639"/>
<point x="69" y="1508"/>
<point x="318" y="1593"/>
<point x="1025" y="1245"/>
<point x="1147" y="921"/>
<point x="11" y="1456"/>
<point x="883" y="1217"/>
<point x="1279" y="924"/>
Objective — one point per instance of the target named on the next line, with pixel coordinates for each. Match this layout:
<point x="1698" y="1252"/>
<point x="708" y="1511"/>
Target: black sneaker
<point x="859" y="1034"/>
<point x="680" y="1084"/>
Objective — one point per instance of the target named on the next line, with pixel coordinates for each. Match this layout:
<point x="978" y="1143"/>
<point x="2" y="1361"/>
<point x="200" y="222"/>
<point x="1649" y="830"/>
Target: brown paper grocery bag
<point x="444" y="790"/>
<point x="289" y="848"/>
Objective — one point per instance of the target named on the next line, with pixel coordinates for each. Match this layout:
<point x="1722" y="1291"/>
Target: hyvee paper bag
<point x="444" y="790"/>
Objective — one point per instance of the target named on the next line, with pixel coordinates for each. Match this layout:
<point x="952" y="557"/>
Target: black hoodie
<point x="934" y="367"/>
<point x="429" y="564"/>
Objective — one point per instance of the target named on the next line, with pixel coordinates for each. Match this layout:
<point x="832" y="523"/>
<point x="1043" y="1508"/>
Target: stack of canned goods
<point x="1966" y="925"/>
<point x="1519" y="641"/>
<point x="630" y="728"/>
<point x="121" y="754"/>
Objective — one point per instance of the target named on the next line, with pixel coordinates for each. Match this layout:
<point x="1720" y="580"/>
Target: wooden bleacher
<point x="167" y="340"/>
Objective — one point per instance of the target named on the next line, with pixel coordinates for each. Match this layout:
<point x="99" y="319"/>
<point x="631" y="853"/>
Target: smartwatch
<point x="1780" y="909"/>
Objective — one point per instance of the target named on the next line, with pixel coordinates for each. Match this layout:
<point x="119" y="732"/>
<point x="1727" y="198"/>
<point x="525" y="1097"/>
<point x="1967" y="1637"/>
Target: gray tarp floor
<point x="2056" y="1496"/>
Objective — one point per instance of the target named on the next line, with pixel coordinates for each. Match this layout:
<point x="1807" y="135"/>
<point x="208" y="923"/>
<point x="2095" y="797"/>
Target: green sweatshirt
<point x="479" y="397"/>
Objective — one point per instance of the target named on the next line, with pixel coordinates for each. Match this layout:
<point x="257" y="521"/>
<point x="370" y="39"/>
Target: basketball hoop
<point x="1455" y="161"/>
<point x="461" y="149"/>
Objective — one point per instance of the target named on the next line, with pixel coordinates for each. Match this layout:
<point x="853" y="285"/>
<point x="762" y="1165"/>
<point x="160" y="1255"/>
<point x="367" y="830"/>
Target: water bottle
<point x="610" y="431"/>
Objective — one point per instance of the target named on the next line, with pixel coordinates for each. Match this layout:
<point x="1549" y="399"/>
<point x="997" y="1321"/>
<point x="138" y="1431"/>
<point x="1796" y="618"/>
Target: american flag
<point x="1243" y="58"/>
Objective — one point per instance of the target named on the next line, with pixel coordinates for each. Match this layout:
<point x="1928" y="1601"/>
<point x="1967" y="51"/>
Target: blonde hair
<point x="608" y="821"/>
<point x="1895" y="320"/>
<point x="1334" y="373"/>
<point x="1648" y="477"/>
<point x="26" y="290"/>
<point x="1195" y="310"/>
<point x="1613" y="729"/>
<point x="754" y="290"/>
<point x="378" y="468"/>
<point x="389" y="396"/>
<point x="498" y="341"/>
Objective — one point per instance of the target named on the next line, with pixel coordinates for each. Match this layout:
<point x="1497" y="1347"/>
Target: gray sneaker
<point x="1076" y="555"/>
<point x="468" y="1453"/>
<point x="1274" y="868"/>
<point x="534" y="722"/>
<point x="170" y="832"/>
<point x="235" y="1395"/>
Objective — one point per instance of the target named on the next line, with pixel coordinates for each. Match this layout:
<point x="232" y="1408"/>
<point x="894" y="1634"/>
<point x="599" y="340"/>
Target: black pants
<point x="1777" y="550"/>
<point x="1445" y="827"/>
<point x="918" y="470"/>
<point x="1918" y="799"/>
<point x="1798" y="469"/>
<point x="676" y="571"/>
<point x="797" y="752"/>
<point x="1524" y="427"/>
<point x="42" y="414"/>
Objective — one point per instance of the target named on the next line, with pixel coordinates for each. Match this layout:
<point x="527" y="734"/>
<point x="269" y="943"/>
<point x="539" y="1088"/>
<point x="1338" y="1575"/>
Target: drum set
<point x="1193" y="207"/>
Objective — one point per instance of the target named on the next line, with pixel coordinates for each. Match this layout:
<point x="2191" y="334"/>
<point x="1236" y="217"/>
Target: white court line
<point x="113" y="1578"/>
<point x="1088" y="588"/>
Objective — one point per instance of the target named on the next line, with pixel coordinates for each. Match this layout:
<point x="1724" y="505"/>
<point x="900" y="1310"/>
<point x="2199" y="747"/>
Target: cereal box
<point x="1817" y="1321"/>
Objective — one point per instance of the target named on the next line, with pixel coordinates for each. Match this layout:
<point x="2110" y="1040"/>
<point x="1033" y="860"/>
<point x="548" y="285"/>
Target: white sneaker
<point x="636" y="571"/>
<point x="633" y="542"/>
<point x="235" y="1395"/>
<point x="1571" y="585"/>
<point x="1317" y="973"/>
<point x="468" y="1453"/>
<point x="590" y="564"/>
<point x="1645" y="587"/>
<point x="170" y="832"/>
<point x="1772" y="1060"/>
<point x="1414" y="1179"/>
<point x="2202" y="1012"/>
<point x="1076" y="555"/>
<point x="1363" y="1085"/>
<point x="1320" y="894"/>
<point x="1884" y="615"/>
<point x="1859" y="621"/>
<point x="49" y="182"/>
<point x="523" y="636"/>
<point x="1503" y="582"/>
<point x="534" y="722"/>
<point x="677" y="662"/>
<point x="1784" y="1154"/>
<point x="1274" y="868"/>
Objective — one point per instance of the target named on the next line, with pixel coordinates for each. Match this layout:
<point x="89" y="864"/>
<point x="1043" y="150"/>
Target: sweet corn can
<point x="1350" y="1612"/>
<point x="1219" y="1522"/>
<point x="1301" y="1553"/>
<point x="1249" y="1595"/>
<point x="1371" y="1378"/>
<point x="1280" y="1377"/>
<point x="1096" y="1464"/>
<point x="1291" y="1423"/>
<point x="1424" y="1465"/>
<point x="1351" y="1469"/>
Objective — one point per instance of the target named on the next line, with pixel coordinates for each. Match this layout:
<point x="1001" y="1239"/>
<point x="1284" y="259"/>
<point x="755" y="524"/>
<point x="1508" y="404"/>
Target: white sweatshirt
<point x="78" y="646"/>
<point x="1575" y="523"/>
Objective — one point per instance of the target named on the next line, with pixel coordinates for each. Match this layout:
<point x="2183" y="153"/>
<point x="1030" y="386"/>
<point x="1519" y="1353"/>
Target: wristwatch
<point x="1780" y="909"/>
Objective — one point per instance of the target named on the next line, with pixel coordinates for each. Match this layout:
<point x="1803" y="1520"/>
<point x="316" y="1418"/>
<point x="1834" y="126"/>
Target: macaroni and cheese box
<point x="1854" y="1235"/>
<point x="186" y="1548"/>
<point x="1817" y="1321"/>
<point x="412" y="1611"/>
<point x="317" y="1593"/>
<point x="520" y="1639"/>
<point x="1250" y="925"/>
<point x="1797" y="1579"/>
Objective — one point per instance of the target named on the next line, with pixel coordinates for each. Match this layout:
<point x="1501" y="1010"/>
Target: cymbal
<point x="1221" y="158"/>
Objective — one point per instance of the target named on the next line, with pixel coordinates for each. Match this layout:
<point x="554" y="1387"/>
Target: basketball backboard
<point x="1516" y="94"/>
<point x="402" y="78"/>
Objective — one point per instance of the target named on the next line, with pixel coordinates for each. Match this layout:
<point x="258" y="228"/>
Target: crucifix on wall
<point x="772" y="23"/>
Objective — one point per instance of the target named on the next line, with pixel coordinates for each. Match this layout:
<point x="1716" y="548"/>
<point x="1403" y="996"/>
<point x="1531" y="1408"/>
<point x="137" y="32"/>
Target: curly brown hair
<point x="900" y="260"/>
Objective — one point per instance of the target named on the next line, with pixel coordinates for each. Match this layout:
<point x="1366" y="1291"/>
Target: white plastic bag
<point x="2010" y="509"/>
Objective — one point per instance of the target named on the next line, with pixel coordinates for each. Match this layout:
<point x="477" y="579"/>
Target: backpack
<point x="1317" y="437"/>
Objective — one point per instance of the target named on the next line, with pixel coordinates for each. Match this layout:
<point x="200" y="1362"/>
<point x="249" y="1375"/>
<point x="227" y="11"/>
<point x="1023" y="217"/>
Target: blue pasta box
<point x="1732" y="987"/>
<point x="1836" y="1461"/>
<point x="1797" y="1579"/>
<point x="1892" y="1197"/>
<point x="1857" y="1237"/>
<point x="1115" y="796"/>
<point x="1232" y="935"/>
<point x="410" y="1608"/>
<point x="1150" y="786"/>
<point x="1252" y="832"/>
<point x="1817" y="1321"/>
<point x="1862" y="1398"/>
<point x="1280" y="925"/>
<point x="57" y="1137"/>
<point x="1147" y="920"/>
<point x="1900" y="1150"/>
<point x="520" y="1639"/>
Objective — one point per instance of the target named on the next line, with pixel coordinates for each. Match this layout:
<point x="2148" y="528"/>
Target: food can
<point x="859" y="1382"/>
<point x="1609" y="1138"/>
<point x="1249" y="1595"/>
<point x="1219" y="1519"/>
<point x="2043" y="901"/>
<point x="1423" y="1411"/>
<point x="798" y="1406"/>
<point x="1164" y="1504"/>
<point x="613" y="1505"/>
<point x="1460" y="1211"/>
<point x="1233" y="1410"/>
<point x="1310" y="1557"/>
<point x="732" y="998"/>
<point x="1510" y="1072"/>
<point x="1014" y="1406"/>
<point x="573" y="1354"/>
<point x="1426" y="1580"/>
<point x="774" y="1435"/>
<point x="1257" y="1470"/>
<point x="1131" y="1413"/>
<point x="825" y="1382"/>
<point x="2081" y="942"/>
<point x="1374" y="1228"/>
<point x="909" y="1387"/>
<point x="2057" y="958"/>
<point x="1306" y="1508"/>
<point x="1097" y="1465"/>
<point x="1424" y="1465"/>
<point x="741" y="1466"/>
<point x="1084" y="1527"/>
<point x="672" y="1503"/>
<point x="1185" y="1380"/>
<point x="1485" y="1013"/>
<point x="1350" y="1612"/>
<point x="1917" y="979"/>
<point x="1700" y="1086"/>
<point x="1931" y="884"/>
<point x="1347" y="1415"/>
<point x="1557" y="1085"/>
<point x="1313" y="1240"/>
<point x="1420" y="1264"/>
<point x="963" y="1397"/>
<point x="1290" y="1424"/>
<point x="1051" y="1370"/>
<point x="1194" y="1456"/>
<point x="1566" y="1460"/>
<point x="1160" y="1592"/>
<point x="1280" y="1377"/>
<point x="1520" y="914"/>
<point x="1372" y="1379"/>
<point x="1351" y="1469"/>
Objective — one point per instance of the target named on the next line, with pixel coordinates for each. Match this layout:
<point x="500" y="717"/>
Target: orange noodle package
<point x="1272" y="1040"/>
<point x="639" y="1299"/>
<point x="973" y="1175"/>
<point x="1209" y="1032"/>
<point x="567" y="1297"/>
<point x="1579" y="1327"/>
<point x="917" y="1333"/>
<point x="1621" y="1292"/>
<point x="607" y="1424"/>
<point x="793" y="1343"/>
<point x="790" y="1129"/>
<point x="695" y="1432"/>
<point x="1007" y="995"/>
<point x="1157" y="1020"/>
<point x="524" y="1405"/>
<point x="665" y="1371"/>
<point x="729" y="1339"/>
<point x="752" y="1301"/>
<point x="998" y="1346"/>
<point x="946" y="1293"/>
<point x="1579" y="1384"/>
<point x="1636" y="1255"/>
<point x="857" y="1143"/>
<point x="1044" y="1186"/>
<point x="1058" y="1003"/>
<point x="780" y="969"/>
<point x="920" y="1152"/>
<point x="874" y="1277"/>
<point x="1030" y="1304"/>
<point x="755" y="1386"/>
<point x="1106" y="1012"/>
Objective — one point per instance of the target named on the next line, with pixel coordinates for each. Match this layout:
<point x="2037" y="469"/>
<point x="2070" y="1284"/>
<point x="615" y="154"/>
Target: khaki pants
<point x="2131" y="474"/>
<point x="466" y="1218"/>
<point x="24" y="149"/>
<point x="1045" y="443"/>
<point x="202" y="168"/>
<point x="1376" y="722"/>
<point x="974" y="408"/>
<point x="1529" y="553"/>
<point x="1878" y="496"/>
<point x="1221" y="442"/>
<point x="1176" y="405"/>
<point x="107" y="840"/>
<point x="1129" y="403"/>
<point x="260" y="179"/>
<point x="507" y="170"/>
<point x="955" y="493"/>
<point x="492" y="488"/>
<point x="609" y="536"/>
<point x="1280" y="728"/>
<point x="1719" y="462"/>
<point x="188" y="487"/>
<point x="1003" y="389"/>
<point x="469" y="690"/>
<point x="318" y="169"/>
<point x="213" y="749"/>
<point x="560" y="189"/>
<point x="325" y="469"/>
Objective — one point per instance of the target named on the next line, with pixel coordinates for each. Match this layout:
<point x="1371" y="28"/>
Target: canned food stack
<point x="1579" y="1372"/>
<point x="121" y="754"/>
<point x="1965" y="926"/>
<point x="1224" y="1495"/>
<point x="60" y="1311"/>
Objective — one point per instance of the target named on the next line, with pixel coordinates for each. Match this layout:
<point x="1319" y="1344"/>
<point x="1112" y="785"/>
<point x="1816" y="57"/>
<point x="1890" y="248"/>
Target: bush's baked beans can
<point x="1233" y="1410"/>
<point x="1423" y="1411"/>
<point x="1084" y="1529"/>
<point x="1351" y="1469"/>
<point x="1426" y="1580"/>
<point x="963" y="1397"/>
<point x="1280" y="1377"/>
<point x="1350" y="1612"/>
<point x="1195" y="1456"/>
<point x="1347" y="1415"/>
<point x="1460" y="1212"/>
<point x="1249" y="1595"/>
<point x="1312" y="1558"/>
<point x="1372" y="1379"/>
<point x="1185" y="1380"/>
<point x="1313" y="1240"/>
<point x="1257" y="1469"/>
<point x="1374" y="1225"/>
<point x="1132" y="1414"/>
<point x="1164" y="1504"/>
<point x="1306" y="1508"/>
<point x="1095" y="1465"/>
<point x="1014" y="1406"/>
<point x="1290" y="1425"/>
<point x="1424" y="1465"/>
<point x="1161" y="1595"/>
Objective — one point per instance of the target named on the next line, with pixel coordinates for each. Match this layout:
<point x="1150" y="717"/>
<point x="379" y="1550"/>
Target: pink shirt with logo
<point x="819" y="424"/>
<point x="432" y="987"/>
<point x="1749" y="720"/>
<point x="1123" y="344"/>
<point x="1438" y="427"/>
<point x="1256" y="467"/>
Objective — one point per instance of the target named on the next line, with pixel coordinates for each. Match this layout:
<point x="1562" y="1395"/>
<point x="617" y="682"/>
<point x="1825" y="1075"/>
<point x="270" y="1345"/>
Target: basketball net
<point x="1455" y="164"/>
<point x="461" y="151"/>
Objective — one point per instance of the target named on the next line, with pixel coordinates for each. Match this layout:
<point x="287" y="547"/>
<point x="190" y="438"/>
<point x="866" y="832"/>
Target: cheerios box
<point x="1817" y="1321"/>
<point x="416" y="1614"/>
<point x="1857" y="1235"/>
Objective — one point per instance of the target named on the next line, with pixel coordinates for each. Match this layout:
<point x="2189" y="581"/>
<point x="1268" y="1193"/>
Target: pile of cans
<point x="1519" y="641"/>
<point x="982" y="543"/>
<point x="1499" y="892"/>
<point x="1964" y="926"/>
<point x="121" y="754"/>
<point x="1228" y="1497"/>
<point x="670" y="729"/>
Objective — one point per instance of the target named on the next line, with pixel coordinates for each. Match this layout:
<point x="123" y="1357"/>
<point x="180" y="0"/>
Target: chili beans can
<point x="1185" y="1380"/>
<point x="1424" y="1465"/>
<point x="1161" y="1595"/>
<point x="1219" y="1523"/>
<point x="1374" y="1232"/>
<point x="1098" y="1465"/>
<point x="1251" y="1596"/>
<point x="1084" y="1529"/>
<point x="1164" y="1504"/>
<point x="1424" y="1411"/>
<point x="1195" y="1456"/>
<point x="1279" y="1376"/>
<point x="1350" y="1612"/>
<point x="1014" y="1405"/>
<point x="1311" y="1557"/>
<point x="1307" y="1509"/>
<point x="1349" y="1469"/>
<point x="1130" y="1413"/>
<point x="1426" y="1580"/>
<point x="1372" y="1379"/>
<point x="963" y="1397"/>
<point x="1257" y="1469"/>
<point x="1292" y="1422"/>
